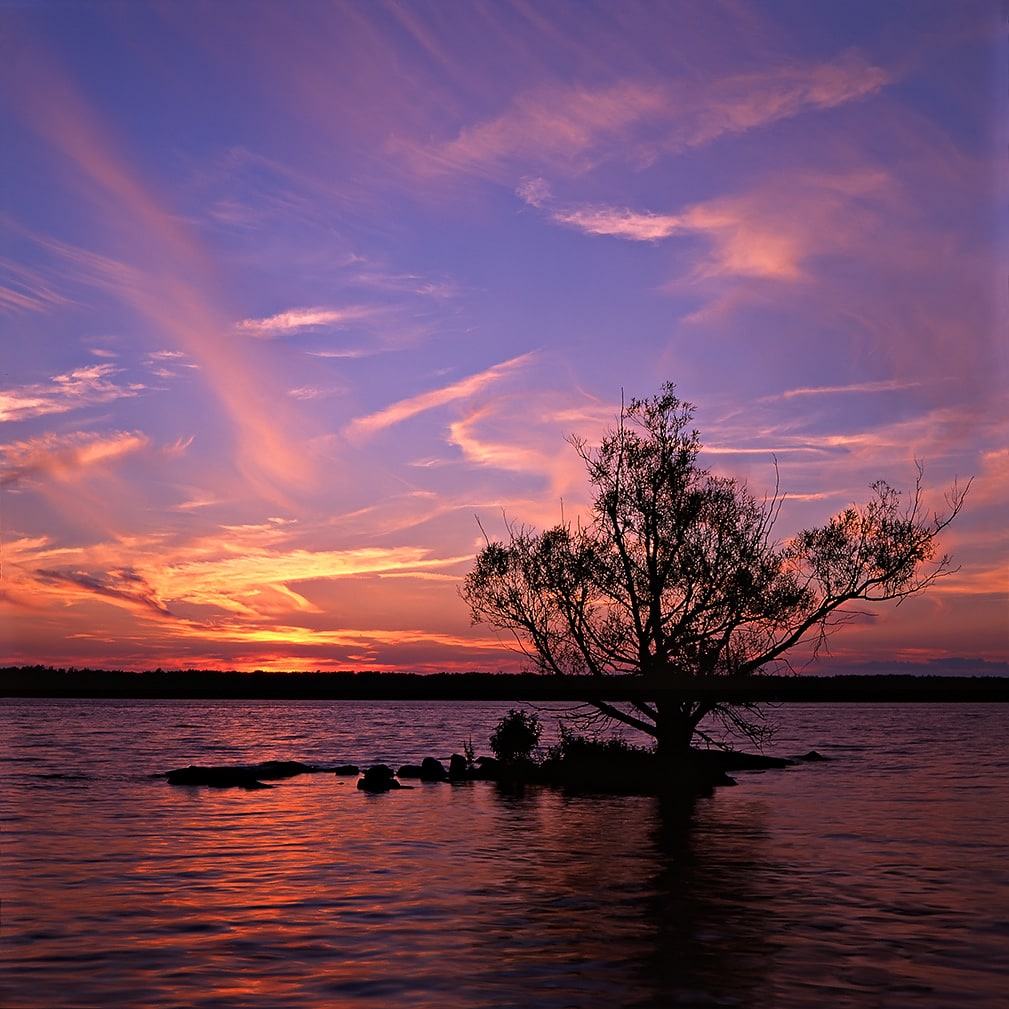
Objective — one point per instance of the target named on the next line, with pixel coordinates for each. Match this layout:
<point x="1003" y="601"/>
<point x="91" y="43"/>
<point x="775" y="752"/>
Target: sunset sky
<point x="293" y="293"/>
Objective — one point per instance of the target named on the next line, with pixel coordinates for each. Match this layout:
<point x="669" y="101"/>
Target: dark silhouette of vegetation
<point x="49" y="681"/>
<point x="516" y="736"/>
<point x="676" y="579"/>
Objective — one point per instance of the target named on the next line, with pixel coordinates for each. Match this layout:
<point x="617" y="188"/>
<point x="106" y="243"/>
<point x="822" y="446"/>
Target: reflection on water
<point x="874" y="880"/>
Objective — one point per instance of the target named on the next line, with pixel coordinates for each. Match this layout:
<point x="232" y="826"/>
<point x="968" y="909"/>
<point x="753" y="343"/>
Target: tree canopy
<point x="676" y="575"/>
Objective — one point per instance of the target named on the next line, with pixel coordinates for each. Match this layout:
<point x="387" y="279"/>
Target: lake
<point x="877" y="878"/>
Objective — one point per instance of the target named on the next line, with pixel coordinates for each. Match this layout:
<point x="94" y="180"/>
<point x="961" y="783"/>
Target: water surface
<point x="878" y="878"/>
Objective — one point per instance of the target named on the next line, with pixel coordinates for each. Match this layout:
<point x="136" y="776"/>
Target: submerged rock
<point x="239" y="775"/>
<point x="216" y="777"/>
<point x="273" y="770"/>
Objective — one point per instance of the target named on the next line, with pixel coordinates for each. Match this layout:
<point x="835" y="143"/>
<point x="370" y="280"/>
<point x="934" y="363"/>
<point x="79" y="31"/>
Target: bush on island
<point x="516" y="736"/>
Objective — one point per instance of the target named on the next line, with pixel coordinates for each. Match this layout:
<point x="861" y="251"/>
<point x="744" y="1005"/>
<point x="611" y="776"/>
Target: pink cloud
<point x="169" y="281"/>
<point x="26" y="290"/>
<point x="63" y="456"/>
<point x="572" y="129"/>
<point x="81" y="387"/>
<point x="770" y="233"/>
<point x="297" y="319"/>
<point x="407" y="408"/>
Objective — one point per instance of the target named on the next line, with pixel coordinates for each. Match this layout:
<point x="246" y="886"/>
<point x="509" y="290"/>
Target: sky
<point x="296" y="297"/>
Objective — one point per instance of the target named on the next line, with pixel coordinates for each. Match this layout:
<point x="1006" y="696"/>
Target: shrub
<point x="575" y="747"/>
<point x="516" y="736"/>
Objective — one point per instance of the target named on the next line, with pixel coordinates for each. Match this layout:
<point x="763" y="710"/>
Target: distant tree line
<point x="197" y="684"/>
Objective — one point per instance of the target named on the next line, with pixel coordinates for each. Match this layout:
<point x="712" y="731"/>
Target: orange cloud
<point x="62" y="456"/>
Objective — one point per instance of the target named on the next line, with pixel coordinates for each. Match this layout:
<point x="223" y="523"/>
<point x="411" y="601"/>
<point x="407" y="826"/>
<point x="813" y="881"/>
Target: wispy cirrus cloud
<point x="534" y="190"/>
<point x="622" y="223"/>
<point x="740" y="246"/>
<point x="296" y="320"/>
<point x="890" y="385"/>
<point x="437" y="288"/>
<point x="72" y="390"/>
<point x="740" y="102"/>
<point x="27" y="290"/>
<point x="363" y="427"/>
<point x="257" y="582"/>
<point x="164" y="363"/>
<point x="576" y="128"/>
<point x="252" y="574"/>
<point x="63" y="455"/>
<point x="165" y="274"/>
<point x="770" y="232"/>
<point x="122" y="585"/>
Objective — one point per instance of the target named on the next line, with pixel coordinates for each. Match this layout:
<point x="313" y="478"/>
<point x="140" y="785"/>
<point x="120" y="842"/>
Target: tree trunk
<point x="674" y="731"/>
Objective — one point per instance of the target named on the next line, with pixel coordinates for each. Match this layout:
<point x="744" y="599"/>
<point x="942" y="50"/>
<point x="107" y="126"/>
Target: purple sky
<point x="292" y="292"/>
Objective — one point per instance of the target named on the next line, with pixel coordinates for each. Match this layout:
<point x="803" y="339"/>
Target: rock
<point x="487" y="769"/>
<point x="458" y="768"/>
<point x="813" y="756"/>
<point x="433" y="770"/>
<point x="379" y="778"/>
<point x="410" y="771"/>
<point x="272" y="770"/>
<point x="216" y="777"/>
<point x="346" y="770"/>
<point x="239" y="775"/>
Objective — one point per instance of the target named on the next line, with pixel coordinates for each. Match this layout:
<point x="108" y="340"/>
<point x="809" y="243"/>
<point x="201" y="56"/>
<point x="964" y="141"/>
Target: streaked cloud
<point x="892" y="385"/>
<point x="62" y="456"/>
<point x="23" y="289"/>
<point x="82" y="387"/>
<point x="297" y="319"/>
<point x="769" y="233"/>
<point x="574" y="129"/>
<point x="121" y="586"/>
<point x="622" y="223"/>
<point x="363" y="427"/>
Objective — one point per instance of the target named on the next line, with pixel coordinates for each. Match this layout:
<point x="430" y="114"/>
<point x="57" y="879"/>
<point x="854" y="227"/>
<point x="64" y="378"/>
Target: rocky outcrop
<point x="239" y="775"/>
<point x="432" y="769"/>
<point x="380" y="778"/>
<point x="590" y="768"/>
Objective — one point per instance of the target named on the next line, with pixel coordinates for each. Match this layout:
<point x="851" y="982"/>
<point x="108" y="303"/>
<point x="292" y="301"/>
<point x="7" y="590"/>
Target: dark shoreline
<point x="46" y="681"/>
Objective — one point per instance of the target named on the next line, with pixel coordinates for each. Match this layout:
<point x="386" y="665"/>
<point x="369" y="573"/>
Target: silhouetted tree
<point x="676" y="577"/>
